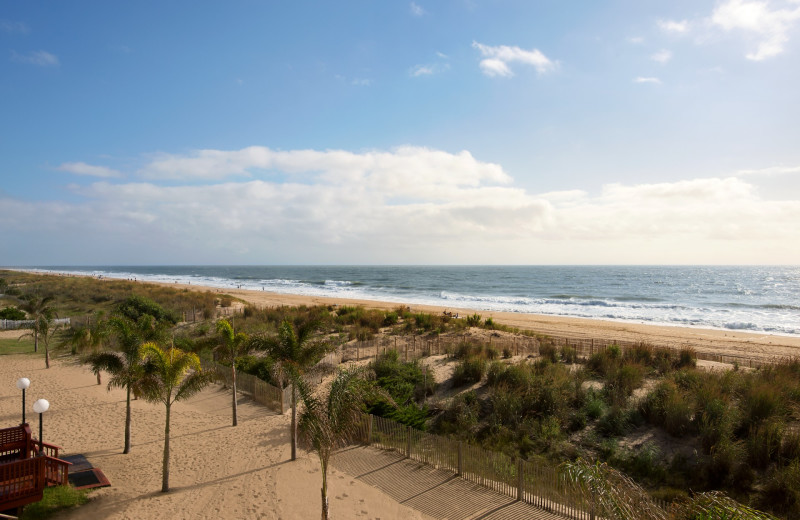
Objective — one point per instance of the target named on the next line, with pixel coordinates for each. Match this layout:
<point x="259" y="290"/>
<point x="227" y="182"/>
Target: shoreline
<point x="756" y="345"/>
<point x="719" y="341"/>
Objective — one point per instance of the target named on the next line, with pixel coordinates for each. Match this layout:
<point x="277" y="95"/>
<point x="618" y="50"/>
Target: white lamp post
<point x="23" y="383"/>
<point x="41" y="406"/>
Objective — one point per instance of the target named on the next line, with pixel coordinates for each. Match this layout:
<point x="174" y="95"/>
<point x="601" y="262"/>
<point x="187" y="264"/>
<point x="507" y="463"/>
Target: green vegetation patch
<point x="55" y="499"/>
<point x="15" y="346"/>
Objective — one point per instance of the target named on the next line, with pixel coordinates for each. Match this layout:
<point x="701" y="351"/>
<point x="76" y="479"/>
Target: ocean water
<point x="750" y="298"/>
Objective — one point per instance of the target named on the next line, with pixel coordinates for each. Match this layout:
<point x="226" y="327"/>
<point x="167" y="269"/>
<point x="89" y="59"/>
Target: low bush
<point x="469" y="371"/>
<point x="12" y="313"/>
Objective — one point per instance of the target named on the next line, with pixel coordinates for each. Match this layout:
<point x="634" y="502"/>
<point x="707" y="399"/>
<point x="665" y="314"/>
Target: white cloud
<point x="442" y="55"/>
<point x="41" y="58"/>
<point x="428" y="70"/>
<point x="642" y="79"/>
<point x="7" y="26"/>
<point x="361" y="82"/>
<point x="81" y="168"/>
<point x="769" y="25"/>
<point x="497" y="59"/>
<point x="636" y="40"/>
<point x="662" y="56"/>
<point x="416" y="9"/>
<point x="672" y="26"/>
<point x="410" y="205"/>
<point x="773" y="170"/>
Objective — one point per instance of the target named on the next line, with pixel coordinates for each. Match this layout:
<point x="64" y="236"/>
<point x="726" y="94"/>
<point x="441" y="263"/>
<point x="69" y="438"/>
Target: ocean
<point x="749" y="298"/>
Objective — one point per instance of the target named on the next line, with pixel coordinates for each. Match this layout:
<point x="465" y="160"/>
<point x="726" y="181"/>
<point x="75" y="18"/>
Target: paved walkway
<point x="435" y="492"/>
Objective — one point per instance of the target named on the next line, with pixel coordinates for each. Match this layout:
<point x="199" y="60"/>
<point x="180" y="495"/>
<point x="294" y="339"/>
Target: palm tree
<point x="231" y="347"/>
<point x="331" y="422"/>
<point x="40" y="311"/>
<point x="125" y="365"/>
<point x="173" y="375"/>
<point x="87" y="337"/>
<point x="295" y="351"/>
<point x="617" y="497"/>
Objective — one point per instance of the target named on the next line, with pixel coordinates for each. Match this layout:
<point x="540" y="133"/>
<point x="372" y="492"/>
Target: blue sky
<point x="447" y="132"/>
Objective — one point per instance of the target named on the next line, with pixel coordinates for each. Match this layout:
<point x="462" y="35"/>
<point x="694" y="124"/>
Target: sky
<point x="396" y="132"/>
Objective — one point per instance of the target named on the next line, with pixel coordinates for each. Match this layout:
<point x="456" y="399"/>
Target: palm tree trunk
<point x="35" y="340"/>
<point x="165" y="471"/>
<point x="127" y="448"/>
<point x="233" y="379"/>
<point x="46" y="356"/>
<point x="98" y="378"/>
<point x="324" y="489"/>
<point x="294" y="421"/>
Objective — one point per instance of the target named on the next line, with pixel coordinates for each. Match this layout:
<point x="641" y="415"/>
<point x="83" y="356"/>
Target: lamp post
<point x="41" y="406"/>
<point x="23" y="383"/>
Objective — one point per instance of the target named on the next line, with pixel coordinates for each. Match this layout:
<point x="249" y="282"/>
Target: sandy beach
<point x="217" y="471"/>
<point x="727" y="342"/>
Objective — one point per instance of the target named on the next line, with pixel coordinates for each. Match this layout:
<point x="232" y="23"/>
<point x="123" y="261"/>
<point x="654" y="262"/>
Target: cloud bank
<point x="407" y="205"/>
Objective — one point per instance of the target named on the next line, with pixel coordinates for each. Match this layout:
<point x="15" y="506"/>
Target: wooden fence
<point x="414" y="347"/>
<point x="262" y="392"/>
<point x="20" y="324"/>
<point x="537" y="483"/>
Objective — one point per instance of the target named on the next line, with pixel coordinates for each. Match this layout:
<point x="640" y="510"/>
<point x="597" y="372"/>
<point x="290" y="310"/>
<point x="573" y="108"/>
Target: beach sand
<point x="724" y="342"/>
<point x="216" y="472"/>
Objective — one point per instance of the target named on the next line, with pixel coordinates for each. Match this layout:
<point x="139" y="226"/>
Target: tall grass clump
<point x="407" y="383"/>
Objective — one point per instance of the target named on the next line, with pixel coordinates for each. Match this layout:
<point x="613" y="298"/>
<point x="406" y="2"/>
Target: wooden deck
<point x="27" y="466"/>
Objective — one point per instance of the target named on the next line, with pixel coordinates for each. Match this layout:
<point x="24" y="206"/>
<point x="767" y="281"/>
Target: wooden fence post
<point x="408" y="442"/>
<point x="460" y="458"/>
<point x="520" y="481"/>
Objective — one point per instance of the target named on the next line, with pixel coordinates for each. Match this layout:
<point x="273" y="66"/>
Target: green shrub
<point x="616" y="421"/>
<point x="594" y="406"/>
<point x="469" y="371"/>
<point x="621" y="383"/>
<point x="474" y="320"/>
<point x="11" y="313"/>
<point x="390" y="318"/>
<point x="569" y="354"/>
<point x="507" y="353"/>
<point x="549" y="352"/>
<point x="687" y="358"/>
<point x="55" y="499"/>
<point x="781" y="491"/>
<point x="461" y="417"/>
<point x="764" y="443"/>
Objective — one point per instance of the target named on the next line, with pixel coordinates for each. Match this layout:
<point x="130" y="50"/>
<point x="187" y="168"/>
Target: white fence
<point x="23" y="324"/>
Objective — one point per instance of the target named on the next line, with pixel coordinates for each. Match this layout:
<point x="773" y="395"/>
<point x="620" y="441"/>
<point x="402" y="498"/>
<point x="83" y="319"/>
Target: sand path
<point x="217" y="471"/>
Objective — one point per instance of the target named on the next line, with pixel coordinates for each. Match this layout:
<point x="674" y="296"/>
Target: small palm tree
<point x="172" y="375"/>
<point x="90" y="337"/>
<point x="40" y="310"/>
<point x="42" y="329"/>
<point x="231" y="347"/>
<point x="295" y="351"/>
<point x="125" y="365"/>
<point x="331" y="422"/>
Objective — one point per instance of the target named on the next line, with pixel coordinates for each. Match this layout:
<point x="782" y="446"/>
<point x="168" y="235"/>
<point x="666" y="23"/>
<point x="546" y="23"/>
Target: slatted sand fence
<point x="262" y="392"/>
<point x="537" y="483"/>
<point x="411" y="347"/>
